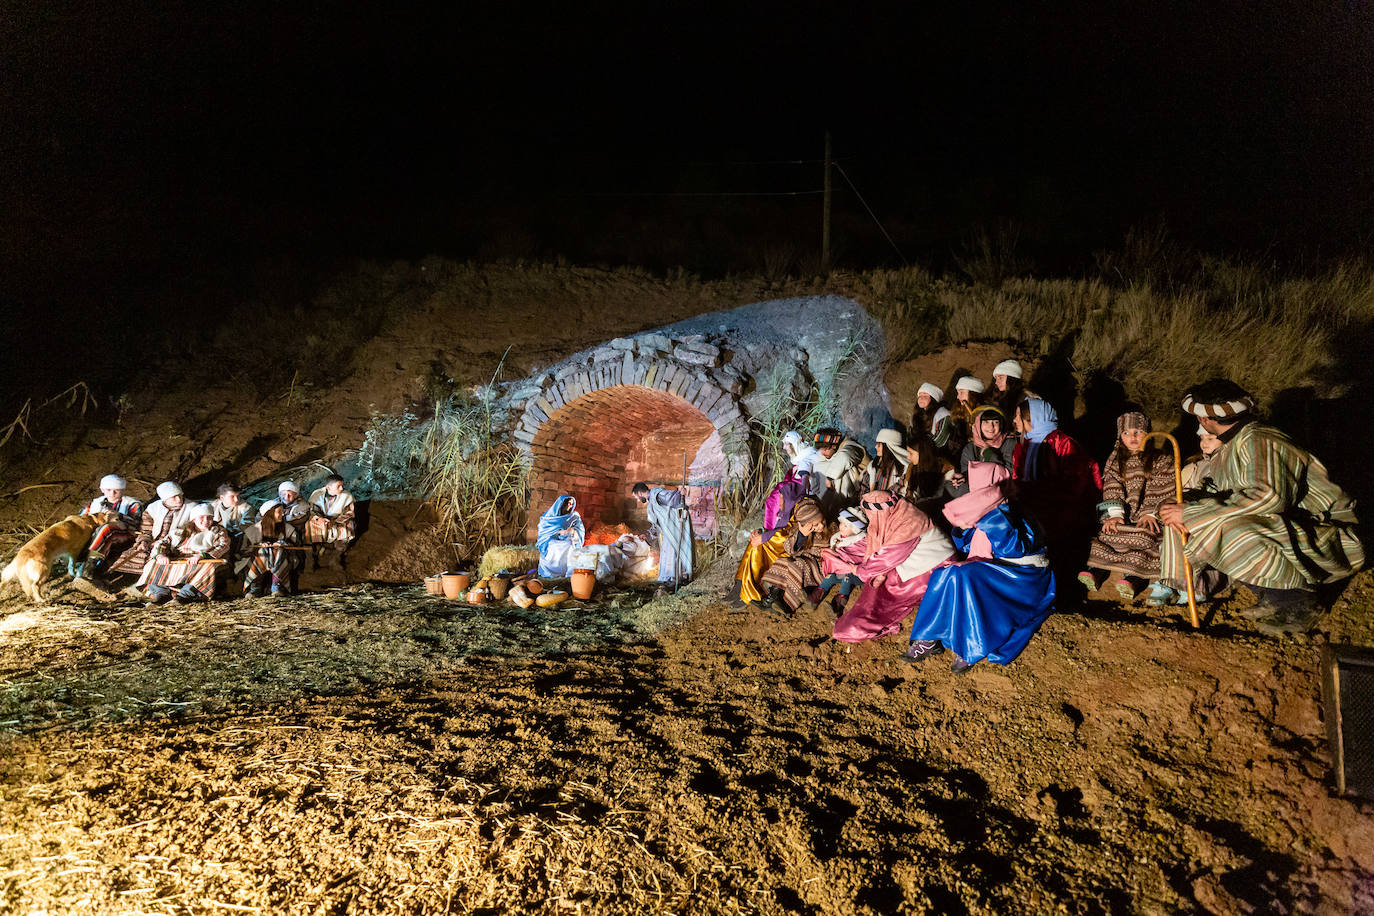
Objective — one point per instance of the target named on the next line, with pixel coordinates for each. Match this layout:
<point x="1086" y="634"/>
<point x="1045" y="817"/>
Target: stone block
<point x="601" y="354"/>
<point x="696" y="358"/>
<point x="622" y="343"/>
<point x="655" y="341"/>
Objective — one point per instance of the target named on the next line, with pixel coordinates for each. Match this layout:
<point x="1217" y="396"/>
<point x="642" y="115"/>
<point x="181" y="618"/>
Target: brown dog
<point x="32" y="565"/>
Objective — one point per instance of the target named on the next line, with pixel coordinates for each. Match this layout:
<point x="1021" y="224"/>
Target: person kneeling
<point x="901" y="548"/>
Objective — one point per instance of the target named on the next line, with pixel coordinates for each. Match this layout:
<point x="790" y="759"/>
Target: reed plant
<point x="474" y="476"/>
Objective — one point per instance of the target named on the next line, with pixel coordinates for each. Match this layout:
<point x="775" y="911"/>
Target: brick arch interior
<point x="597" y="446"/>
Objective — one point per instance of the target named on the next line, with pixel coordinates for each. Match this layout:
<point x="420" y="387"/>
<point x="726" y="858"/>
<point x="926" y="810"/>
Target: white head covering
<point x="1008" y="367"/>
<point x="856" y="518"/>
<point x="1202" y="430"/>
<point x="113" y="482"/>
<point x="970" y="383"/>
<point x="200" y="509"/>
<point x="167" y="489"/>
<point x="288" y="486"/>
<point x="892" y="439"/>
<point x="935" y="391"/>
<point x="804" y="455"/>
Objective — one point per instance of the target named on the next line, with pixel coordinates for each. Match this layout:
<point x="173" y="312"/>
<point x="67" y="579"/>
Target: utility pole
<point x="825" y="212"/>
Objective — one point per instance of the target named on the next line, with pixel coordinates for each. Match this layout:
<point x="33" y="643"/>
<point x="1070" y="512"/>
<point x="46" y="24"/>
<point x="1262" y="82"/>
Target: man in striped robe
<point x="1277" y="522"/>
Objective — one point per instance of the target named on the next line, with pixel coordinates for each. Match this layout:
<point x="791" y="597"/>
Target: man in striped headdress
<point x="1276" y="523"/>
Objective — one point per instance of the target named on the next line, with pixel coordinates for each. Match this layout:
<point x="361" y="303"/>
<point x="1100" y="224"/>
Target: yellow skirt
<point x="755" y="563"/>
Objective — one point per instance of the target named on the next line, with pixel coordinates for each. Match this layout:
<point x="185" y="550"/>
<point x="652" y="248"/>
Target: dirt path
<point x="372" y="750"/>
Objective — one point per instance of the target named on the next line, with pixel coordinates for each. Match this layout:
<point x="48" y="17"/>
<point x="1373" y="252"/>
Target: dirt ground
<point x="366" y="748"/>
<point x="372" y="749"/>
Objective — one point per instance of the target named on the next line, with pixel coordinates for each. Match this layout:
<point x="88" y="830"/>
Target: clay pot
<point x="455" y="584"/>
<point x="434" y="585"/>
<point x="498" y="587"/>
<point x="534" y="586"/>
<point x="583" y="582"/>
<point x="477" y="596"/>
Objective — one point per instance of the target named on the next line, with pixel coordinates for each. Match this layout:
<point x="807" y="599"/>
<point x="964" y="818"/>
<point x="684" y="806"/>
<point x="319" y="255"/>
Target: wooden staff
<point x="1183" y="536"/>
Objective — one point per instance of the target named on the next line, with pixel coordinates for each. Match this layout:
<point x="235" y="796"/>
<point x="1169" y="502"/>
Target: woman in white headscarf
<point x="193" y="568"/>
<point x="891" y="468"/>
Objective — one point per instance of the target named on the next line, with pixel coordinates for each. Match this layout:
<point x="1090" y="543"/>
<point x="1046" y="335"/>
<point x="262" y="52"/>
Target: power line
<point x="692" y="193"/>
<point x="876" y="221"/>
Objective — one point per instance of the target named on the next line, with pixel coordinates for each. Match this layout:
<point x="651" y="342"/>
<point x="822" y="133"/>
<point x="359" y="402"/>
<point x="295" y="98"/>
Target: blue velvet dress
<point x="990" y="608"/>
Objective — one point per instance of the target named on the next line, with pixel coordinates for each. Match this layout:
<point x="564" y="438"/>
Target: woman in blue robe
<point x="990" y="605"/>
<point x="560" y="533"/>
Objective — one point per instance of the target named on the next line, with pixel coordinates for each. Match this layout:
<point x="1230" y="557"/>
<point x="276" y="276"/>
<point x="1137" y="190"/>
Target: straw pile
<point x="515" y="557"/>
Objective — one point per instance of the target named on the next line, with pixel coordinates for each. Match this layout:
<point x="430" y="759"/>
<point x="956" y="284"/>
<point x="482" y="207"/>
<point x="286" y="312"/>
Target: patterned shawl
<point x="891" y="521"/>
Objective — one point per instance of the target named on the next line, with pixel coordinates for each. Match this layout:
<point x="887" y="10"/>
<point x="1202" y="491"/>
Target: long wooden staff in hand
<point x="1178" y="494"/>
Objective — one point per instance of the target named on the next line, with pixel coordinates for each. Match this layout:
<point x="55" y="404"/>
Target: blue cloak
<point x="990" y="608"/>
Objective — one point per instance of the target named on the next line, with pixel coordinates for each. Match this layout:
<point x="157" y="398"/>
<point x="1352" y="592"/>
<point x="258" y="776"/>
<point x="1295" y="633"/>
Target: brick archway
<point x="601" y="443"/>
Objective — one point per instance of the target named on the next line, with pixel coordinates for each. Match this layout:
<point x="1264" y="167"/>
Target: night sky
<point x="146" y="142"/>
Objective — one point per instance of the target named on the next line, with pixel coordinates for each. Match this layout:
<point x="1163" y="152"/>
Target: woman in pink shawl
<point x="901" y="549"/>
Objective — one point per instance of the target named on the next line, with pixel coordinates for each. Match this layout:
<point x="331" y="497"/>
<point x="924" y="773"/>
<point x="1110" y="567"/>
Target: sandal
<point x="1088" y="580"/>
<point x="1162" y="596"/>
<point x="1124" y="588"/>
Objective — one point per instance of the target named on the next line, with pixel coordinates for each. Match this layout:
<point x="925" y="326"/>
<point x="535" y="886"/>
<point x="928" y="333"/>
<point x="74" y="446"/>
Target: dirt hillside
<point x="367" y="749"/>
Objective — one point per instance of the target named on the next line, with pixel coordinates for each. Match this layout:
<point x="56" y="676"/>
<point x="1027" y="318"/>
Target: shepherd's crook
<point x="1183" y="536"/>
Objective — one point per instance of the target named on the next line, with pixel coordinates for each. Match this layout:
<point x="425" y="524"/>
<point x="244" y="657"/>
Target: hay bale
<point x="515" y="557"/>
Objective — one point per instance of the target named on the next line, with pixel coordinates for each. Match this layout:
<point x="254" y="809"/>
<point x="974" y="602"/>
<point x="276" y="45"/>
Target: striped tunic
<point x="1277" y="520"/>
<point x="1131" y="493"/>
<point x="187" y="564"/>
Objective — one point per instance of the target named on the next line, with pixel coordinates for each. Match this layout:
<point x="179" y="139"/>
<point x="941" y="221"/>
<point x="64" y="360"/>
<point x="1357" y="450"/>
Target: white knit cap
<point x="970" y="383"/>
<point x="113" y="482"/>
<point x="891" y="438"/>
<point x="1008" y="367"/>
<point x="200" y="509"/>
<point x="936" y="392"/>
<point x="167" y="489"/>
<point x="287" y="486"/>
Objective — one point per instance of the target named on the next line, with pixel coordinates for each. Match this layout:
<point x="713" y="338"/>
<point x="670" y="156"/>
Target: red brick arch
<point x="600" y="444"/>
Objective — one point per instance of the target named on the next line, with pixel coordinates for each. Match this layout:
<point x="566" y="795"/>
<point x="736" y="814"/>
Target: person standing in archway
<point x="669" y="518"/>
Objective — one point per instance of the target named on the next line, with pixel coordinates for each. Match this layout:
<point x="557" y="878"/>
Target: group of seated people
<point x="190" y="551"/>
<point x="987" y="515"/>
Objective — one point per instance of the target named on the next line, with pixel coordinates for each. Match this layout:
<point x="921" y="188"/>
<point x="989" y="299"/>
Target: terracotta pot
<point x="583" y="581"/>
<point x="534" y="586"/>
<point x="477" y="596"/>
<point x="434" y="585"/>
<point x="498" y="587"/>
<point x="455" y="584"/>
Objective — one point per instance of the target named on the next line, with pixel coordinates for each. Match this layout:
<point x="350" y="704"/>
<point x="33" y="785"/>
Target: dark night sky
<point x="142" y="140"/>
